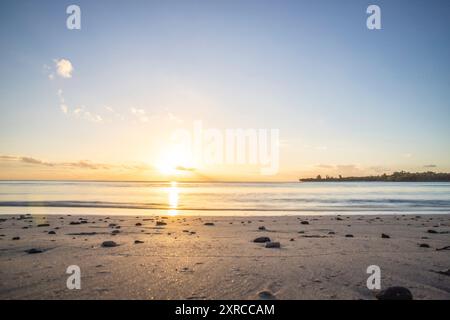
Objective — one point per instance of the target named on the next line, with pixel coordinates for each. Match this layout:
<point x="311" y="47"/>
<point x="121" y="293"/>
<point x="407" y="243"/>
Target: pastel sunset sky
<point x="101" y="103"/>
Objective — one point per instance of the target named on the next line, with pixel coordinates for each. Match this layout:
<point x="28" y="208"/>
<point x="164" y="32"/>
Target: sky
<point x="103" y="102"/>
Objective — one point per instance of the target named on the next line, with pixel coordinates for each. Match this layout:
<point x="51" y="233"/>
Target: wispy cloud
<point x="430" y="166"/>
<point x="81" y="164"/>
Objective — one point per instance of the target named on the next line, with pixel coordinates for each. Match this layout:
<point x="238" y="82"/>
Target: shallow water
<point x="223" y="198"/>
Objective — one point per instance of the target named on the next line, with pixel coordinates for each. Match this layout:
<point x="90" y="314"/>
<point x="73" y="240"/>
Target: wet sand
<point x="188" y="258"/>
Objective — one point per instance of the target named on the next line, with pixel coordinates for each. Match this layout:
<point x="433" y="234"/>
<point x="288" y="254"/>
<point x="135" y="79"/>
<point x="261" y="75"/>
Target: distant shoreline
<point x="401" y="176"/>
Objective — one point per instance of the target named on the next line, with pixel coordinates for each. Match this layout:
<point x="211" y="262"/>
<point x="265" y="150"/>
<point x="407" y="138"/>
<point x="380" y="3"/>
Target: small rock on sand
<point x="43" y="225"/>
<point x="424" y="245"/>
<point x="16" y="238"/>
<point x="138" y="224"/>
<point x="138" y="241"/>
<point x="349" y="236"/>
<point x="262" y="228"/>
<point x="51" y="232"/>
<point x="395" y="293"/>
<point x="115" y="231"/>
<point x="262" y="239"/>
<point x="109" y="244"/>
<point x="304" y="222"/>
<point x="273" y="245"/>
<point x="160" y="223"/>
<point x="432" y="231"/>
<point x="208" y="223"/>
<point x="385" y="236"/>
<point x="266" y="295"/>
<point x="33" y="251"/>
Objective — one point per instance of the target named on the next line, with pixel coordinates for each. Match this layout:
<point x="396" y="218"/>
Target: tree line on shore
<point x="401" y="176"/>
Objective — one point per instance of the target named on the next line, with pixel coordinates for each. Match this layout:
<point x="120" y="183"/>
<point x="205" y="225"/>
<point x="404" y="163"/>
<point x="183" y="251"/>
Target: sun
<point x="176" y="160"/>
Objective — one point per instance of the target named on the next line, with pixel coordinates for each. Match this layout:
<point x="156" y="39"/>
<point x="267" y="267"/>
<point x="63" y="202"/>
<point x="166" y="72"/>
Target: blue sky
<point x="346" y="99"/>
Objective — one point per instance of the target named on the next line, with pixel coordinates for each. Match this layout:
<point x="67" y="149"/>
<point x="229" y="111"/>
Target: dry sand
<point x="187" y="259"/>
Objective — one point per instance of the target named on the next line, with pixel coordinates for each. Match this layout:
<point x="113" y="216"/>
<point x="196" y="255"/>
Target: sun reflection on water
<point x="173" y="198"/>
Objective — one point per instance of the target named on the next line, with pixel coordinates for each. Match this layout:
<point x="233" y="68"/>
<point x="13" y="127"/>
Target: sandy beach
<point x="185" y="257"/>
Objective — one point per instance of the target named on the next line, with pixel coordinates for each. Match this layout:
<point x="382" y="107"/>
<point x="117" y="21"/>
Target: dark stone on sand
<point x="273" y="245"/>
<point x="208" y="223"/>
<point x="115" y="231"/>
<point x="262" y="240"/>
<point x="138" y="241"/>
<point x="444" y="272"/>
<point x="266" y="295"/>
<point x="109" y="244"/>
<point x="43" y="225"/>
<point x="385" y="236"/>
<point x="395" y="293"/>
<point x="16" y="238"/>
<point x="112" y="225"/>
<point x="432" y="231"/>
<point x="262" y="228"/>
<point x="331" y="232"/>
<point x="339" y="219"/>
<point x="292" y="239"/>
<point x="33" y="251"/>
<point x="304" y="222"/>
<point x="138" y="224"/>
<point x="349" y="236"/>
<point x="424" y="245"/>
<point x="160" y="223"/>
<point x="51" y="232"/>
<point x="74" y="222"/>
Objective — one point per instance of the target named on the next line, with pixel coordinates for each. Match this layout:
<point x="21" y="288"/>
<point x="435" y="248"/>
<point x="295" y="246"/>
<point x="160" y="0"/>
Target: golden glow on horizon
<point x="175" y="160"/>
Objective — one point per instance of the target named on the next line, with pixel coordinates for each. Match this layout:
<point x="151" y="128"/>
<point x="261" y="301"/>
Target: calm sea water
<point x="222" y="198"/>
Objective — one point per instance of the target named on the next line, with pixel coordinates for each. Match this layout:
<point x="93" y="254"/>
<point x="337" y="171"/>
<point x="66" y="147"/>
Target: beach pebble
<point x="424" y="245"/>
<point x="208" y="223"/>
<point x="43" y="225"/>
<point x="444" y="272"/>
<point x="262" y="228"/>
<point x="262" y="239"/>
<point x="160" y="223"/>
<point x="395" y="293"/>
<point x="432" y="231"/>
<point x="266" y="295"/>
<point x="304" y="222"/>
<point x="115" y="231"/>
<point x="385" y="236"/>
<point x="33" y="251"/>
<point x="273" y="245"/>
<point x="74" y="222"/>
<point x="138" y="224"/>
<point x="331" y="232"/>
<point x="138" y="241"/>
<point x="109" y="244"/>
<point x="349" y="236"/>
<point x="16" y="238"/>
<point x="51" y="232"/>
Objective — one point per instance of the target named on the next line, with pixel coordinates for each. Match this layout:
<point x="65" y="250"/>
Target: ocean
<point x="222" y="198"/>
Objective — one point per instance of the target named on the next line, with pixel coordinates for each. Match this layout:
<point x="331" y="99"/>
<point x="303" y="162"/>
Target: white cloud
<point x="141" y="114"/>
<point x="64" y="108"/>
<point x="64" y="68"/>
